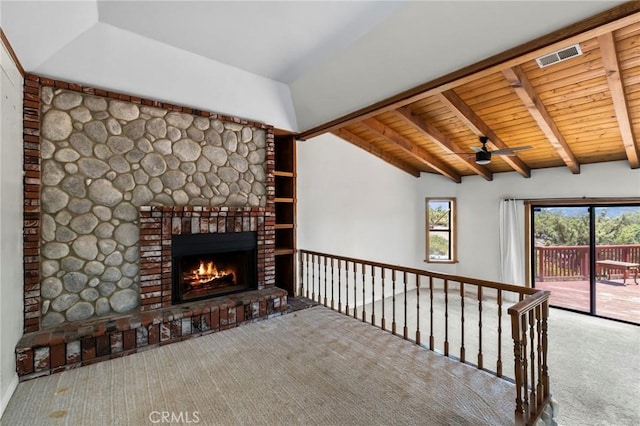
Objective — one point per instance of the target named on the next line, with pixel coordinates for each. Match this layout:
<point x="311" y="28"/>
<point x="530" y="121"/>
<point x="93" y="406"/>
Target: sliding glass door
<point x="617" y="259"/>
<point x="588" y="256"/>
<point x="561" y="255"/>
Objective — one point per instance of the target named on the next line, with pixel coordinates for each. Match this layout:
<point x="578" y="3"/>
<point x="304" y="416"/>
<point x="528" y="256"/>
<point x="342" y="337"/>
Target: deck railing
<point x="570" y="263"/>
<point x="411" y="302"/>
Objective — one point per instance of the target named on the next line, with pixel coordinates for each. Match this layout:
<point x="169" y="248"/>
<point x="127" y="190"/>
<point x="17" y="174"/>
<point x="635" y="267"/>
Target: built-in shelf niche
<point x="285" y="208"/>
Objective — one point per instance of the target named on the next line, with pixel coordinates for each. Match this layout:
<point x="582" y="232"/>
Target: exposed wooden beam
<point x="409" y="147"/>
<point x="429" y="131"/>
<point x="12" y="53"/>
<point x="361" y="143"/>
<point x="480" y="128"/>
<point x="607" y="21"/>
<point x="529" y="97"/>
<point x="616" y="87"/>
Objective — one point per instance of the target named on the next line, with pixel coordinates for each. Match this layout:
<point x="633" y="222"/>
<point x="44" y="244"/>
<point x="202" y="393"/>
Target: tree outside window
<point x="440" y="221"/>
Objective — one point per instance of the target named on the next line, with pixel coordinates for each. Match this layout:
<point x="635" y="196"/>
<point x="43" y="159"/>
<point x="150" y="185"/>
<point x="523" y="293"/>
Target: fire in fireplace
<point x="208" y="265"/>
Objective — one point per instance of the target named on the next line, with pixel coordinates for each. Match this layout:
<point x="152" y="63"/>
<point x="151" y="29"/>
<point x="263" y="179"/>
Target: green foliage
<point x="555" y="228"/>
<point x="438" y="245"/>
<point x="439" y="217"/>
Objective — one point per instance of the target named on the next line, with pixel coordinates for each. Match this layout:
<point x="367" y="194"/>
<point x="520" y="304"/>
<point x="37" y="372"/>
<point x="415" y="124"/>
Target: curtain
<point x="512" y="242"/>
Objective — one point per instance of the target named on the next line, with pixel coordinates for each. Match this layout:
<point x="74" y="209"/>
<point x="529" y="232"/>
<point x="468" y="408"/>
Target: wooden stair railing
<point x="451" y="309"/>
<point x="529" y="322"/>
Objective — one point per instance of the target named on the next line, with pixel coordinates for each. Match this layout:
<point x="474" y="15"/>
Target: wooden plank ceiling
<point x="583" y="110"/>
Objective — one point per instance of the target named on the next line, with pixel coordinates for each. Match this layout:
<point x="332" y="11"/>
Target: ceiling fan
<point x="483" y="155"/>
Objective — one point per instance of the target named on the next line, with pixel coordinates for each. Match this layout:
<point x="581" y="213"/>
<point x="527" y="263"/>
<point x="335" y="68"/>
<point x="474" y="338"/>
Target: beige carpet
<point x="594" y="368"/>
<point x="311" y="367"/>
<point x="594" y="363"/>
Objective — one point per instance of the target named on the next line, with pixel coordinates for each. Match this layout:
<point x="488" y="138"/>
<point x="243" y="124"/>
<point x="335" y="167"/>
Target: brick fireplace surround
<point x="156" y="322"/>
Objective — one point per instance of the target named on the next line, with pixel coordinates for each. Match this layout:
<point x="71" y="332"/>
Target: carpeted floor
<point x="594" y="366"/>
<point x="311" y="367"/>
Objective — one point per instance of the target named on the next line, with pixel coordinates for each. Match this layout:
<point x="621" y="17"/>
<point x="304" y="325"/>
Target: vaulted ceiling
<point x="358" y="69"/>
<point x="582" y="109"/>
<point x="291" y="64"/>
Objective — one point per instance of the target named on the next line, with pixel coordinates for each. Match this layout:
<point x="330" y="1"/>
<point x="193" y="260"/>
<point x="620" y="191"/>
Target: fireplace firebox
<point x="210" y="265"/>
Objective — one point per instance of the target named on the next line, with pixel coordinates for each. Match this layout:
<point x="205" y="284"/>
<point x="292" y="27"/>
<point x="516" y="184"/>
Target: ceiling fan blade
<point x="476" y="148"/>
<point x="510" y="151"/>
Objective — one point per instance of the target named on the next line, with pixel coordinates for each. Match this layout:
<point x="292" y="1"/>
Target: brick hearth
<point x="74" y="345"/>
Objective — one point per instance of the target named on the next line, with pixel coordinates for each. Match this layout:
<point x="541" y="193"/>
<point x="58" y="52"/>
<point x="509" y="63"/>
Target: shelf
<point x="284" y="226"/>
<point x="285" y="238"/>
<point x="285" y="211"/>
<point x="285" y="153"/>
<point x="285" y="273"/>
<point x="285" y="187"/>
<point x="284" y="251"/>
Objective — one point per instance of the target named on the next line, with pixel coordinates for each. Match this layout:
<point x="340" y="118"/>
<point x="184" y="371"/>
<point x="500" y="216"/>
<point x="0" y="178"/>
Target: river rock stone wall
<point x="101" y="160"/>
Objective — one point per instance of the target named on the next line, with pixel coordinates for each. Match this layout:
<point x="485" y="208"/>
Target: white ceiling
<point x="277" y="40"/>
<point x="293" y="64"/>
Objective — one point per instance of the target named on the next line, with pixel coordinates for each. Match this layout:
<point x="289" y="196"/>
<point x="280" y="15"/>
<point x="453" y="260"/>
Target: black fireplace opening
<point x="211" y="265"/>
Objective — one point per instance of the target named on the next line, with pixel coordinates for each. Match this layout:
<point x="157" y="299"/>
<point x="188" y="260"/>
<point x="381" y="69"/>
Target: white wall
<point x="353" y="204"/>
<point x="11" y="279"/>
<point x="478" y="200"/>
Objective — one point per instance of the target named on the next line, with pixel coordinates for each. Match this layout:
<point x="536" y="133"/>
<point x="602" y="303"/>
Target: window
<point x="441" y="227"/>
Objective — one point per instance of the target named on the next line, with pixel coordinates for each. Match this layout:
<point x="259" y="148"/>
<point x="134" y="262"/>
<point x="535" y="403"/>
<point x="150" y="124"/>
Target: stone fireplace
<point x="115" y="187"/>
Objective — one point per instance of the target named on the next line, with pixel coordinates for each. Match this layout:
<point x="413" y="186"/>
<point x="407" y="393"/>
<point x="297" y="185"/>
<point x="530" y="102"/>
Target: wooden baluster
<point x="446" y="317"/>
<point x="431" y="339"/>
<point x="322" y="280"/>
<point x="540" y="390"/>
<point x="383" y="301"/>
<point x="480" y="360"/>
<point x="364" y="280"/>
<point x="332" y="285"/>
<point x="532" y="355"/>
<point x="417" y="309"/>
<point x="346" y="286"/>
<point x="325" y="282"/>
<point x="306" y="256"/>
<point x="313" y="277"/>
<point x="405" y="330"/>
<point x="302" y="263"/>
<point x="373" y="294"/>
<point x="462" y="354"/>
<point x="545" y="370"/>
<point x="339" y="285"/>
<point x="517" y="359"/>
<point x="393" y="301"/>
<point x="499" y="361"/>
<point x="525" y="365"/>
<point x="355" y="297"/>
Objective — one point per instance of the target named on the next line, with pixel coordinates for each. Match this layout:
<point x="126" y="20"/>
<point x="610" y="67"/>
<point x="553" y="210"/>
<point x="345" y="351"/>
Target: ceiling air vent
<point x="559" y="56"/>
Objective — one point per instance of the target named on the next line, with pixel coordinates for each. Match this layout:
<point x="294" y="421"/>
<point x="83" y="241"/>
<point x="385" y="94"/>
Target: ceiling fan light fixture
<point x="483" y="157"/>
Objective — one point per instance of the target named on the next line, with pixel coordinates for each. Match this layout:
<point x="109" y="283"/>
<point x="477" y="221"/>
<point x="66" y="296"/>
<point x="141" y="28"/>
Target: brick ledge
<point x="72" y="345"/>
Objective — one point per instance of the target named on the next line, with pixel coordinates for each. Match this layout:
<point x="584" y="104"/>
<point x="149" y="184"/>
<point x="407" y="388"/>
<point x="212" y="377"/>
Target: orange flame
<point x="205" y="272"/>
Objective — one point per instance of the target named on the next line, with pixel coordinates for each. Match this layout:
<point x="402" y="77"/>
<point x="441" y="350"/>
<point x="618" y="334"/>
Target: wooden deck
<point x="613" y="299"/>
